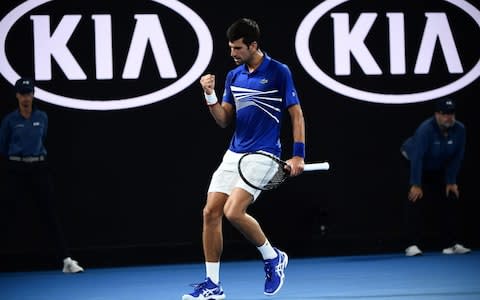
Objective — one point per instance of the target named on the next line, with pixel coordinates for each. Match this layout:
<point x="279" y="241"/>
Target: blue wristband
<point x="299" y="149"/>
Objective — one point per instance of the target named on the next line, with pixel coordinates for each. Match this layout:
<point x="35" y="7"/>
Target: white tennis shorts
<point x="226" y="177"/>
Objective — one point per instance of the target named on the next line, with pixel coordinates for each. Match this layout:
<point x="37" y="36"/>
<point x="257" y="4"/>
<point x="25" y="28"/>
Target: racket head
<point x="262" y="171"/>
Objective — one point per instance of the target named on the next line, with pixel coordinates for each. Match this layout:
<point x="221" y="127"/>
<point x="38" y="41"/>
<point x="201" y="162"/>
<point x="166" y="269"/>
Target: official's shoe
<point x="206" y="290"/>
<point x="413" y="251"/>
<point x="71" y="266"/>
<point x="275" y="273"/>
<point x="456" y="249"/>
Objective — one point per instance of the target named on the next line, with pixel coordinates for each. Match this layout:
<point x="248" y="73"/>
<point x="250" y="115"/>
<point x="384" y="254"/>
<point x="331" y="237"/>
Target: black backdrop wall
<point x="131" y="183"/>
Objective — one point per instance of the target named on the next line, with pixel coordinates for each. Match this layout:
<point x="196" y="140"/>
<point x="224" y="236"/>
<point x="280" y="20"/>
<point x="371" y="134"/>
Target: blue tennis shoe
<point x="206" y="290"/>
<point x="275" y="273"/>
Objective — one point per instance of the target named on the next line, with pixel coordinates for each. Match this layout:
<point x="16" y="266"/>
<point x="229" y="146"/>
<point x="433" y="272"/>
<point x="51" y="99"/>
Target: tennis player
<point x="258" y="91"/>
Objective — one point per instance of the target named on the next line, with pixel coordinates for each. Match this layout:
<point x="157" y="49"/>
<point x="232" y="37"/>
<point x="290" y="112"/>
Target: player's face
<point x="445" y="120"/>
<point x="25" y="100"/>
<point x="241" y="52"/>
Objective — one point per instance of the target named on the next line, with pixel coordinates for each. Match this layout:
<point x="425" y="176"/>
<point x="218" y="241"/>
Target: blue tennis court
<point x="386" y="276"/>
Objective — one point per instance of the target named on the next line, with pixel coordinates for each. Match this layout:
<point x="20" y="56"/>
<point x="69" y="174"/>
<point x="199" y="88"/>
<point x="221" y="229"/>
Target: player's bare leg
<point x="236" y="212"/>
<point x="274" y="259"/>
<point x="212" y="247"/>
<point x="212" y="226"/>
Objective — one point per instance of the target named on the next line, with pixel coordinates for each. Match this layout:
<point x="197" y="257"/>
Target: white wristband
<point x="211" y="99"/>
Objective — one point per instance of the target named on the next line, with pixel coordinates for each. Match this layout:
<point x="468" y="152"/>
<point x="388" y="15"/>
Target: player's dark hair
<point x="244" y="28"/>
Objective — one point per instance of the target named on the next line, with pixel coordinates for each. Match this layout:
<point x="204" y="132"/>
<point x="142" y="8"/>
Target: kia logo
<point x="353" y="46"/>
<point x="51" y="44"/>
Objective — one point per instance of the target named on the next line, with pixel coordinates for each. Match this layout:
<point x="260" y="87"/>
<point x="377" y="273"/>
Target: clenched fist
<point x="208" y="83"/>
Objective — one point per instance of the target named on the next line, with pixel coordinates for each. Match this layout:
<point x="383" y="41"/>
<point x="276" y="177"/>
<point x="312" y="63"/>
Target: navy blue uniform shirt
<point x="23" y="137"/>
<point x="428" y="149"/>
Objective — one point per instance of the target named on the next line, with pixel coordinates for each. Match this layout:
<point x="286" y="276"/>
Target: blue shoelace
<point x="199" y="286"/>
<point x="268" y="271"/>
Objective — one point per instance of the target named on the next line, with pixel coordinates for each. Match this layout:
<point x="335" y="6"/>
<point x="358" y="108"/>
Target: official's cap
<point x="445" y="105"/>
<point x="24" y="85"/>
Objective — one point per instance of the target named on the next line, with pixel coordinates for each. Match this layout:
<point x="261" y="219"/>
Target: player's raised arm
<point x="222" y="113"/>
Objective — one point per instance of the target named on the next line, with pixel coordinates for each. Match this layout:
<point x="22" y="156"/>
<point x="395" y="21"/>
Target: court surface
<point x="386" y="276"/>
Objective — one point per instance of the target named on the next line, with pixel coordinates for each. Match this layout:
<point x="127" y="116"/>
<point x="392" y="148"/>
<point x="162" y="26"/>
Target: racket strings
<point x="262" y="172"/>
<point x="277" y="178"/>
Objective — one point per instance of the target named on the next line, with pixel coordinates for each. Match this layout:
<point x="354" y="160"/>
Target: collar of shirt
<point x="261" y="69"/>
<point x="439" y="130"/>
<point x="19" y="115"/>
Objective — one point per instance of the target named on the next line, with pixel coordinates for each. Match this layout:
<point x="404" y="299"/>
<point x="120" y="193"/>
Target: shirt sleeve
<point x="289" y="92"/>
<point x="453" y="166"/>
<point x="227" y="92"/>
<point x="417" y="153"/>
<point x="4" y="137"/>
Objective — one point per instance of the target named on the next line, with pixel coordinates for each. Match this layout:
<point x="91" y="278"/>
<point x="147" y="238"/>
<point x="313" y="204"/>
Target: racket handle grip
<point x="317" y="166"/>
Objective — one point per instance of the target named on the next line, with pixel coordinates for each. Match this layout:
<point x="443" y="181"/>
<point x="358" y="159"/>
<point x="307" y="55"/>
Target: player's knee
<point x="212" y="214"/>
<point x="232" y="215"/>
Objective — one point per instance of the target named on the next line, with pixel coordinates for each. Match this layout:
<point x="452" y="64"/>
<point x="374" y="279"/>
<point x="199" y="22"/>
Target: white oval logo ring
<point x="205" y="50"/>
<point x="302" y="47"/>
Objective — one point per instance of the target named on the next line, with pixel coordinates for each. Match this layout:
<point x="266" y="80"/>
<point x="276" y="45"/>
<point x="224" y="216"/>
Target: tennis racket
<point x="265" y="172"/>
